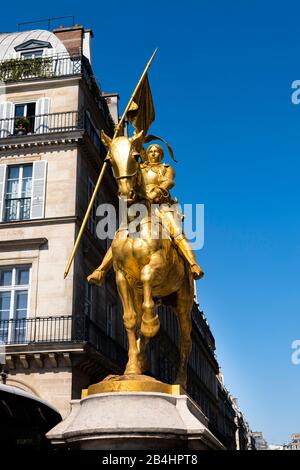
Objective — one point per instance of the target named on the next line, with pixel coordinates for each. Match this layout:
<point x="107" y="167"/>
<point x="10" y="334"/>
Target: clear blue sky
<point x="222" y="84"/>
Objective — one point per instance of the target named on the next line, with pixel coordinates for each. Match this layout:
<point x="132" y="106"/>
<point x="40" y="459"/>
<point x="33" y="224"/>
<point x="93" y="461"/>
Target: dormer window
<point x="32" y="48"/>
<point x="32" y="54"/>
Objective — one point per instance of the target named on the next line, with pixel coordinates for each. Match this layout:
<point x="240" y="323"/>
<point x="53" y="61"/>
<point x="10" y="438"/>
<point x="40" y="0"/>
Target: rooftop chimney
<point x="76" y="39"/>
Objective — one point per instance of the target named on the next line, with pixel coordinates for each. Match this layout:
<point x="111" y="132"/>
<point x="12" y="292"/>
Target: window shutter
<point x="42" y="111"/>
<point x="38" y="189"/>
<point x="6" y="121"/>
<point x="50" y="69"/>
<point x="2" y="189"/>
<point x="64" y="64"/>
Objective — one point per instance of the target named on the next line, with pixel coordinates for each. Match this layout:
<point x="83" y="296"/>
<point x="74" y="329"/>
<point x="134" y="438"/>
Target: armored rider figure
<point x="158" y="179"/>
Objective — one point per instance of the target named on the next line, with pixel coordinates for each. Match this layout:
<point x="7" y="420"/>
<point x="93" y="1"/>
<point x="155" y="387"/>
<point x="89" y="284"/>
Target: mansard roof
<point x="10" y="41"/>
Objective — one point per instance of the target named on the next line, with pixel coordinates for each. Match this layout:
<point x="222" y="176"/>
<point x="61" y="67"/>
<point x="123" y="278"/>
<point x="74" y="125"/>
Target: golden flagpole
<point x="117" y="130"/>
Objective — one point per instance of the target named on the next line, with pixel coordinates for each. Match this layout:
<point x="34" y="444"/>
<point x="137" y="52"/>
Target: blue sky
<point x="221" y="83"/>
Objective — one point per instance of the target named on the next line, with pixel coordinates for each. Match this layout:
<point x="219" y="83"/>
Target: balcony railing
<point x="40" y="124"/>
<point x="61" y="329"/>
<point x="17" y="208"/>
<point x="36" y="330"/>
<point x="59" y="65"/>
<point x="49" y="124"/>
<point x="41" y="67"/>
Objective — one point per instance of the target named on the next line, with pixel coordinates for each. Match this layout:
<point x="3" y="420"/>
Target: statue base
<point x="113" y="415"/>
<point x="132" y="383"/>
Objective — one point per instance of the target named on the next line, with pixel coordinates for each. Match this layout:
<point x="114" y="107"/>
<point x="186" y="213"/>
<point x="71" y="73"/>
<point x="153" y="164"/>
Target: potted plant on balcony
<point x="22" y="126"/>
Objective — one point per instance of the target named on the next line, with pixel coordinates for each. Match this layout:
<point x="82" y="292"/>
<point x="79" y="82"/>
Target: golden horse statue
<point x="146" y="268"/>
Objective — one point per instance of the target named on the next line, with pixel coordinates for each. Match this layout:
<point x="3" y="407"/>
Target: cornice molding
<point x="23" y="242"/>
<point x="41" y="140"/>
<point x="37" y="222"/>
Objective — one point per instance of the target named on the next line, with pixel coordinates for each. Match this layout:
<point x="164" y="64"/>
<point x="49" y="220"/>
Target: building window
<point x="18" y="192"/>
<point x="25" y="117"/>
<point x="32" y="54"/>
<point x="91" y="224"/>
<point x="110" y="320"/>
<point x="14" y="288"/>
<point x="92" y="131"/>
<point x="88" y="299"/>
<point x="22" y="191"/>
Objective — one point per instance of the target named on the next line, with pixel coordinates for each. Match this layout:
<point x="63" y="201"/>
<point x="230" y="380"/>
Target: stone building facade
<point x="51" y="111"/>
<point x="294" y="443"/>
<point x="260" y="442"/>
<point x="62" y="335"/>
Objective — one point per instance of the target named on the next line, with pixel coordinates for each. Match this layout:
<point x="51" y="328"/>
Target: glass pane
<point x="12" y="182"/>
<point x="26" y="188"/>
<point x="25" y="208"/>
<point x="22" y="276"/>
<point x="4" y="332"/>
<point x="5" y="277"/>
<point x="11" y="209"/>
<point x="21" y="305"/>
<point x="27" y="171"/>
<point x="20" y="110"/>
<point x="13" y="172"/>
<point x="12" y="189"/>
<point x="18" y="332"/>
<point x="4" y="305"/>
<point x="27" y="181"/>
<point x="30" y="109"/>
<point x="32" y="54"/>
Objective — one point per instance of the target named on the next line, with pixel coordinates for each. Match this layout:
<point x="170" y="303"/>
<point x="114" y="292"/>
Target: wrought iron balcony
<point x="69" y="121"/>
<point x="40" y="124"/>
<point x="36" y="330"/>
<point x="61" y="329"/>
<point x="58" y="65"/>
<point x="17" y="208"/>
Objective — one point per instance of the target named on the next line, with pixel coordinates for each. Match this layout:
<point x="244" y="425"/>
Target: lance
<point x="117" y="130"/>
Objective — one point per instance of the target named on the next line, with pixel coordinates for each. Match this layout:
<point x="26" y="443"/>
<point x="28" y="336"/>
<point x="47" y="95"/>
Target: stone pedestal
<point x="132" y="421"/>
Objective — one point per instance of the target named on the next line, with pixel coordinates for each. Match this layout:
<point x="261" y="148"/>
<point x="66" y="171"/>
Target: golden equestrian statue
<point x="158" y="180"/>
<point x="147" y="268"/>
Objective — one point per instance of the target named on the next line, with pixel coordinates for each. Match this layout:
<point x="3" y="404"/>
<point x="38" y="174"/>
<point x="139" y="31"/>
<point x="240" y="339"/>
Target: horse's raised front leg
<point x="150" y="322"/>
<point x="129" y="318"/>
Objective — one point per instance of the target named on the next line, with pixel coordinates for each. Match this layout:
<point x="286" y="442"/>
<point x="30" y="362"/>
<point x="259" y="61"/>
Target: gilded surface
<point x="148" y="268"/>
<point x="132" y="383"/>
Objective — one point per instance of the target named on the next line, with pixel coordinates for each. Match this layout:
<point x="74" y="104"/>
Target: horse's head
<point x="125" y="167"/>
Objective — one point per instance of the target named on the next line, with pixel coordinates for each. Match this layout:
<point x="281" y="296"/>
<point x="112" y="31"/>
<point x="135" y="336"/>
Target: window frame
<point x="20" y="188"/>
<point x="13" y="289"/>
<point x="31" y="118"/>
<point x="33" y="52"/>
<point x="25" y="104"/>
